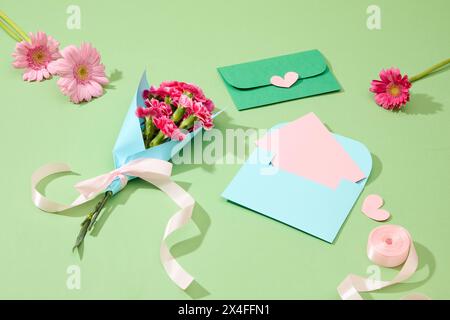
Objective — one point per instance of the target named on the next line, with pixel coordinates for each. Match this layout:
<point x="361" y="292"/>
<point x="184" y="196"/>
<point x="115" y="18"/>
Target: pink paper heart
<point x="371" y="208"/>
<point x="289" y="79"/>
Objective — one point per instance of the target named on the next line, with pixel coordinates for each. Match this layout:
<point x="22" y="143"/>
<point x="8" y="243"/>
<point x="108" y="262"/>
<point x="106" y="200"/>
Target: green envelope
<point x="249" y="84"/>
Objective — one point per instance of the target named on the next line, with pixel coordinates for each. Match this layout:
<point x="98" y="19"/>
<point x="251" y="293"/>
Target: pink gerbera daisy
<point x="35" y="56"/>
<point x="392" y="91"/>
<point x="82" y="74"/>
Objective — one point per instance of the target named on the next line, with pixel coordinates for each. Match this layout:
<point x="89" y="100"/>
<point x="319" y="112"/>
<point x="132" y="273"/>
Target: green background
<point x="235" y="253"/>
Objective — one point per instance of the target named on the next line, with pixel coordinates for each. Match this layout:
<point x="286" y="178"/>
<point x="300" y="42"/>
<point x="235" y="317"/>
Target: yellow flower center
<point x="82" y="72"/>
<point x="38" y="57"/>
<point x="394" y="90"/>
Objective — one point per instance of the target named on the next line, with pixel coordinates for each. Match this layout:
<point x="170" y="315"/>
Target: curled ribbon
<point x="154" y="171"/>
<point x="388" y="246"/>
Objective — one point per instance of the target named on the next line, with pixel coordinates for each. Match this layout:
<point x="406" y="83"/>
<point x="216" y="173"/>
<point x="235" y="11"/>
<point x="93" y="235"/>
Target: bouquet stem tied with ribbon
<point x="170" y="112"/>
<point x="89" y="222"/>
<point x="136" y="157"/>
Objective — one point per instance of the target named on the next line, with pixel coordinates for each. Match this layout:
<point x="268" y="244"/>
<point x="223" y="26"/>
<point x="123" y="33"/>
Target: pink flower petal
<point x="392" y="90"/>
<point x="30" y="75"/>
<point x="35" y="56"/>
<point x="82" y="74"/>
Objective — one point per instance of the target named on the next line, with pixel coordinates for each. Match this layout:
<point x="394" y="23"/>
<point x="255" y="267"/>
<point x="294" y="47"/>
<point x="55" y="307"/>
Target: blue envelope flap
<point x="258" y="73"/>
<point x="294" y="200"/>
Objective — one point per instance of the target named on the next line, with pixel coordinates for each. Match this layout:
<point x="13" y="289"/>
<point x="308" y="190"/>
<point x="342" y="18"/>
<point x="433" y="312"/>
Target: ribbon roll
<point x="388" y="246"/>
<point x="154" y="171"/>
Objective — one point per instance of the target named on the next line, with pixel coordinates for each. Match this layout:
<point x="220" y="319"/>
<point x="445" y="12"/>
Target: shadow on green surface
<point x="115" y="76"/>
<point x="121" y="198"/>
<point x="196" y="291"/>
<point x="377" y="168"/>
<point x="330" y="67"/>
<point x="222" y="122"/>
<point x="426" y="258"/>
<point x="199" y="217"/>
<point x="421" y="104"/>
<point x="118" y="200"/>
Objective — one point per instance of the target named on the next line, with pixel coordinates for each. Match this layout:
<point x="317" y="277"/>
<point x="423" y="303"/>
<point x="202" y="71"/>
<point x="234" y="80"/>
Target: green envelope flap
<point x="258" y="73"/>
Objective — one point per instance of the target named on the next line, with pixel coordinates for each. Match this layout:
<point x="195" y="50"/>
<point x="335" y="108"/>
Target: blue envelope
<point x="294" y="200"/>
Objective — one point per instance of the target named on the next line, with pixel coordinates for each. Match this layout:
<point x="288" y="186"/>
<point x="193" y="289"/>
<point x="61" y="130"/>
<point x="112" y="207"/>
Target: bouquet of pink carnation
<point x="172" y="110"/>
<point x="170" y="113"/>
<point x="158" y="124"/>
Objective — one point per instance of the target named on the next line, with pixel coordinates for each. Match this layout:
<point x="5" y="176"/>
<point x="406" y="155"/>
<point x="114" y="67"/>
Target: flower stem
<point x="88" y="223"/>
<point x="9" y="32"/>
<point x="150" y="130"/>
<point x="188" y="122"/>
<point x="14" y="27"/>
<point x="429" y="70"/>
<point x="156" y="141"/>
<point x="178" y="114"/>
<point x="160" y="137"/>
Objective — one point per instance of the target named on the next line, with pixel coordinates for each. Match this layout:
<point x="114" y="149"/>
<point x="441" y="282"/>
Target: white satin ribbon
<point x="388" y="246"/>
<point x="154" y="171"/>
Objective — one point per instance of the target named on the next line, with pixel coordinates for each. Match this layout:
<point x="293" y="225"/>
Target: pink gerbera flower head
<point x="81" y="73"/>
<point x="392" y="91"/>
<point x="35" y="56"/>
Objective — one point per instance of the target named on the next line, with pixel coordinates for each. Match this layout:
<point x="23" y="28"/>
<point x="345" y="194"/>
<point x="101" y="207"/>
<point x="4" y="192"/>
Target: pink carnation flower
<point x="143" y="112"/>
<point x="167" y="89"/>
<point x="175" y="90"/>
<point x="159" y="92"/>
<point x="392" y="91"/>
<point x="182" y="95"/>
<point x="202" y="114"/>
<point x="154" y="108"/>
<point x="169" y="128"/>
<point x="195" y="90"/>
<point x="82" y="74"/>
<point x="34" y="56"/>
<point x="209" y="105"/>
<point x="185" y="102"/>
<point x="158" y="108"/>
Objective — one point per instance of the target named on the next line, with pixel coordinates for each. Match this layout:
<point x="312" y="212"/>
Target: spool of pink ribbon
<point x="388" y="246"/>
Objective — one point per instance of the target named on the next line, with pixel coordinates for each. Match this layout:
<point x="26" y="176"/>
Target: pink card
<point x="306" y="148"/>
